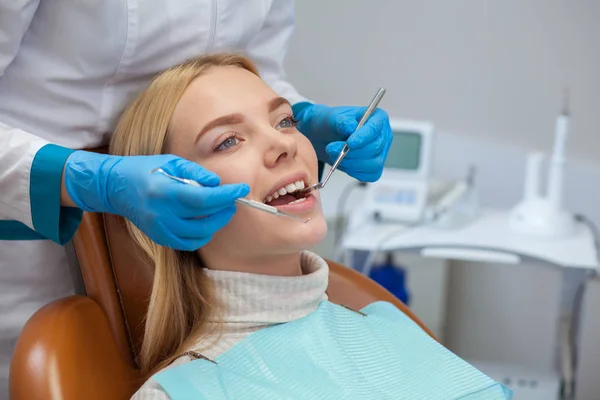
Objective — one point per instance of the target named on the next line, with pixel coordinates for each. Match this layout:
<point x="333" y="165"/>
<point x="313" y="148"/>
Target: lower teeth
<point x="298" y="201"/>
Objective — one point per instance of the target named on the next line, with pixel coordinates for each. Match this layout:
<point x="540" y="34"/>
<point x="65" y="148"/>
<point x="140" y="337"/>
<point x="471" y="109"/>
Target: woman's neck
<point x="248" y="302"/>
<point x="275" y="265"/>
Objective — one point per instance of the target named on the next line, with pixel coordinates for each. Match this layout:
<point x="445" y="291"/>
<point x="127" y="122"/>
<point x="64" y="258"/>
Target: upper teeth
<point x="289" y="188"/>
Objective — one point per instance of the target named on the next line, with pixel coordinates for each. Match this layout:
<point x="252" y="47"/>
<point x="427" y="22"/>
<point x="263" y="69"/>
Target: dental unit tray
<point x="247" y="202"/>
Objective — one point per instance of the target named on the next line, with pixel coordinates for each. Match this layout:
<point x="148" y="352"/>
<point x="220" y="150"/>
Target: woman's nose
<point x="281" y="147"/>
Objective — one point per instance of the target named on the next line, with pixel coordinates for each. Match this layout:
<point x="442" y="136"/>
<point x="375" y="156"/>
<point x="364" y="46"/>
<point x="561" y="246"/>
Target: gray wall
<point x="491" y="69"/>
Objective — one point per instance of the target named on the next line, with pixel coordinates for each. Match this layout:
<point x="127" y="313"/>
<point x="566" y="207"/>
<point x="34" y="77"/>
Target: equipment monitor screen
<point x="405" y="152"/>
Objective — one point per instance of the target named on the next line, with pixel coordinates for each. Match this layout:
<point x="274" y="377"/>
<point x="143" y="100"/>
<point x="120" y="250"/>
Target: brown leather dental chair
<point x="85" y="347"/>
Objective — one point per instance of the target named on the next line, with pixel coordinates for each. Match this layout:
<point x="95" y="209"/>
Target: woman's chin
<point x="255" y="232"/>
<point x="309" y="234"/>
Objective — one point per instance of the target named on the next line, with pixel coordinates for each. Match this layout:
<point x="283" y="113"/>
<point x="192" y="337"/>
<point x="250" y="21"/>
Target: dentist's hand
<point x="165" y="210"/>
<point x="329" y="128"/>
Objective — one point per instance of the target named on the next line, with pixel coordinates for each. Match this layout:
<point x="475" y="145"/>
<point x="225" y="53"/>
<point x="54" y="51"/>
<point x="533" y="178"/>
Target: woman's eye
<point x="288" y="122"/>
<point x="227" y="143"/>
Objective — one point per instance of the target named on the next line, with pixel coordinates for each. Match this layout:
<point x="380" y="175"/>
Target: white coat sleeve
<point x="30" y="167"/>
<point x="268" y="49"/>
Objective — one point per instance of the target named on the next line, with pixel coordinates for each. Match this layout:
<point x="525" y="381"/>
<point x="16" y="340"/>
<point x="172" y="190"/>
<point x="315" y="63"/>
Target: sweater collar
<point x="262" y="300"/>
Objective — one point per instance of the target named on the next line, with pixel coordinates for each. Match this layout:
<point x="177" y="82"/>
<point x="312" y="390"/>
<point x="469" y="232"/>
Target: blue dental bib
<point x="334" y="353"/>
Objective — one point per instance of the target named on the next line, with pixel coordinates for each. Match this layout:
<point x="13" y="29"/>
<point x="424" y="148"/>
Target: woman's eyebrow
<point x="277" y="102"/>
<point x="230" y="119"/>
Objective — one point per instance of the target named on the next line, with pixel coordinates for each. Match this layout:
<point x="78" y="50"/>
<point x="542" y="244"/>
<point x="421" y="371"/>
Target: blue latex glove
<point x="165" y="210"/>
<point x="329" y="128"/>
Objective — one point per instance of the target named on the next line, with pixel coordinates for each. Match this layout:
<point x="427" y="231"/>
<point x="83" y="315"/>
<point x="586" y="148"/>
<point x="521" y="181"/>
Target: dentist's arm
<point x="269" y="47"/>
<point x="30" y="167"/>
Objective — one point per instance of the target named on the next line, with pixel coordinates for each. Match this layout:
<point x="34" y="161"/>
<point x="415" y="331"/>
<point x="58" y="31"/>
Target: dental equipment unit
<point x="247" y="202"/>
<point x="372" y="106"/>
<point x="404" y="191"/>
<point x="544" y="215"/>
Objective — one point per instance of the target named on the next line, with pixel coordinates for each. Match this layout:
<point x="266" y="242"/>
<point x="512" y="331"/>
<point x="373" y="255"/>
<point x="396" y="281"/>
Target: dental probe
<point x="372" y="106"/>
<point x="250" y="203"/>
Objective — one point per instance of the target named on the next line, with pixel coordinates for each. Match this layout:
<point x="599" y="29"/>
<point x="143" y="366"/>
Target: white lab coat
<point x="67" y="70"/>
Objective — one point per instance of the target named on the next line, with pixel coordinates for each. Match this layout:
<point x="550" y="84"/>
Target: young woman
<point x="246" y="316"/>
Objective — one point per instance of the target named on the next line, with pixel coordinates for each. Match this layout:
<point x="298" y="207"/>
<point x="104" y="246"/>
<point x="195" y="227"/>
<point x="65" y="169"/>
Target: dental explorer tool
<point x="250" y="203"/>
<point x="372" y="106"/>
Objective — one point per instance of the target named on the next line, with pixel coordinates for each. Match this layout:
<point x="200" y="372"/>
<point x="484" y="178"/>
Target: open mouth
<point x="289" y="194"/>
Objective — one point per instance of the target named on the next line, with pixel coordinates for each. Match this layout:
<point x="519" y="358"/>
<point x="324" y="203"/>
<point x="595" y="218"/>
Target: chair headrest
<point x="134" y="274"/>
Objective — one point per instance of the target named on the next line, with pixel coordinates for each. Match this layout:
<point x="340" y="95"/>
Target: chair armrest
<point x="66" y="351"/>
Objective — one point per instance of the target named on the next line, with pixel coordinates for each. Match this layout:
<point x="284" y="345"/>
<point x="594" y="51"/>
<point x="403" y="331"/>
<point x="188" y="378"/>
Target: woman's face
<point x="231" y="122"/>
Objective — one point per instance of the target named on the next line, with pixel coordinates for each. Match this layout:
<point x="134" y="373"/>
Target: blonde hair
<point x="181" y="299"/>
